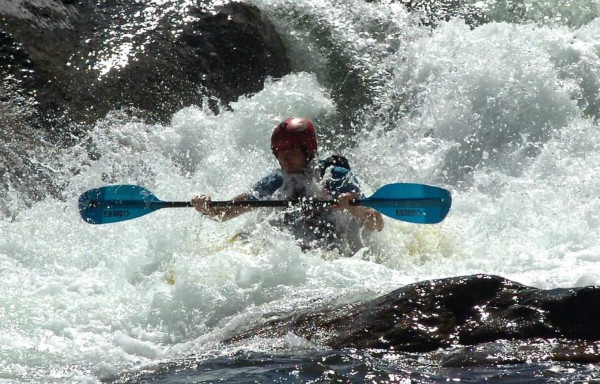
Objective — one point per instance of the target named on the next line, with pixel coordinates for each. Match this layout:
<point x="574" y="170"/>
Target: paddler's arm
<point x="202" y="202"/>
<point x="370" y="218"/>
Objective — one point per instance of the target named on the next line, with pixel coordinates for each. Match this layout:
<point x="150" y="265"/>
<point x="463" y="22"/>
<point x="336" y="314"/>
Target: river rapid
<point x="503" y="114"/>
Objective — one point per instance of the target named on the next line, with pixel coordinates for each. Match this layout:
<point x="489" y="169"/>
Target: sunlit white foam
<point x="95" y="297"/>
<point x="501" y="115"/>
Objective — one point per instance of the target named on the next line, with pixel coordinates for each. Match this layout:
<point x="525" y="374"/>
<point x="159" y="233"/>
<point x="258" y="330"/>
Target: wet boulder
<point x="77" y="60"/>
<point x="449" y="312"/>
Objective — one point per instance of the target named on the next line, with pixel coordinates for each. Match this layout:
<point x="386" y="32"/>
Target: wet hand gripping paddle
<point x="413" y="203"/>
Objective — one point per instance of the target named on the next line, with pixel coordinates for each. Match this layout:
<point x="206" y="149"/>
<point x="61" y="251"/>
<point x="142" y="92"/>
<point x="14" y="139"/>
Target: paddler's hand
<point x="219" y="213"/>
<point x="202" y="204"/>
<point x="344" y="200"/>
<point x="370" y="218"/>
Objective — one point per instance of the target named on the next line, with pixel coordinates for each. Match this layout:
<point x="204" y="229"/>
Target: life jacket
<point x="315" y="223"/>
<point x="333" y="160"/>
<point x="313" y="227"/>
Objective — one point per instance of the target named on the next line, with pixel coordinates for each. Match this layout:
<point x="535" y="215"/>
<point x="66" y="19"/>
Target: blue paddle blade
<point x="414" y="203"/>
<point x="116" y="203"/>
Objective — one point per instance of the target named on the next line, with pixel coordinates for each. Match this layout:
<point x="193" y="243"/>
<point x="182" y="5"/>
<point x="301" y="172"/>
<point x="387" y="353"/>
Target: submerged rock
<point x="449" y="312"/>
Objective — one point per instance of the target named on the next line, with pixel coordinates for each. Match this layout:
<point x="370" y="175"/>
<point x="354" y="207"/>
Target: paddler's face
<point x="292" y="160"/>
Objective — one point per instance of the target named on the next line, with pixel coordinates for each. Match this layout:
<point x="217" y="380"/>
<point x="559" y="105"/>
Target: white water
<point x="502" y="115"/>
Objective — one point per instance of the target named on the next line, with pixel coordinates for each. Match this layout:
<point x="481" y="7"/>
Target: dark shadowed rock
<point x="80" y="59"/>
<point x="503" y="352"/>
<point x="448" y="312"/>
<point x="224" y="53"/>
<point x="66" y="63"/>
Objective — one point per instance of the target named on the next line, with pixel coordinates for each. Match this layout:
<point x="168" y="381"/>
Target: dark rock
<point x="54" y="83"/>
<point x="574" y="312"/>
<point x="448" y="312"/>
<point x="237" y="47"/>
<point x="173" y="56"/>
<point x="584" y="352"/>
<point x="504" y="352"/>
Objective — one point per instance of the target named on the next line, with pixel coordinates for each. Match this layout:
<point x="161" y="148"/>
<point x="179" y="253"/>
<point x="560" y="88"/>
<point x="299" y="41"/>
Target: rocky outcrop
<point x="450" y="312"/>
<point x="79" y="59"/>
<point x="66" y="63"/>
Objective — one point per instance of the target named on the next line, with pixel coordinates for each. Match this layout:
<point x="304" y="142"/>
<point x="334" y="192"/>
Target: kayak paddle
<point x="413" y="203"/>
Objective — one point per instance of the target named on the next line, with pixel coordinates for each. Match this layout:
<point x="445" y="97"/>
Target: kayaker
<point x="303" y="176"/>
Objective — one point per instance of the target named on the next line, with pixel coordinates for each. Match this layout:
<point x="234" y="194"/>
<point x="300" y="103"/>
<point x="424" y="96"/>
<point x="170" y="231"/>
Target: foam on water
<point x="81" y="299"/>
<point x="505" y="110"/>
<point x="503" y="115"/>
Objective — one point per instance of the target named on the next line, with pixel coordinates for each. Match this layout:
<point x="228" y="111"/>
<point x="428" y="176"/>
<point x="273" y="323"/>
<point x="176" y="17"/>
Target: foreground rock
<point x="450" y="312"/>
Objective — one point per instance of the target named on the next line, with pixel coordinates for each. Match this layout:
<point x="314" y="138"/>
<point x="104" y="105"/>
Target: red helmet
<point x="295" y="132"/>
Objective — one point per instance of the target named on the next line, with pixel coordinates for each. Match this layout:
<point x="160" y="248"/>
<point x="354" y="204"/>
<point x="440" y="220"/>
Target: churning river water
<point x="504" y="115"/>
